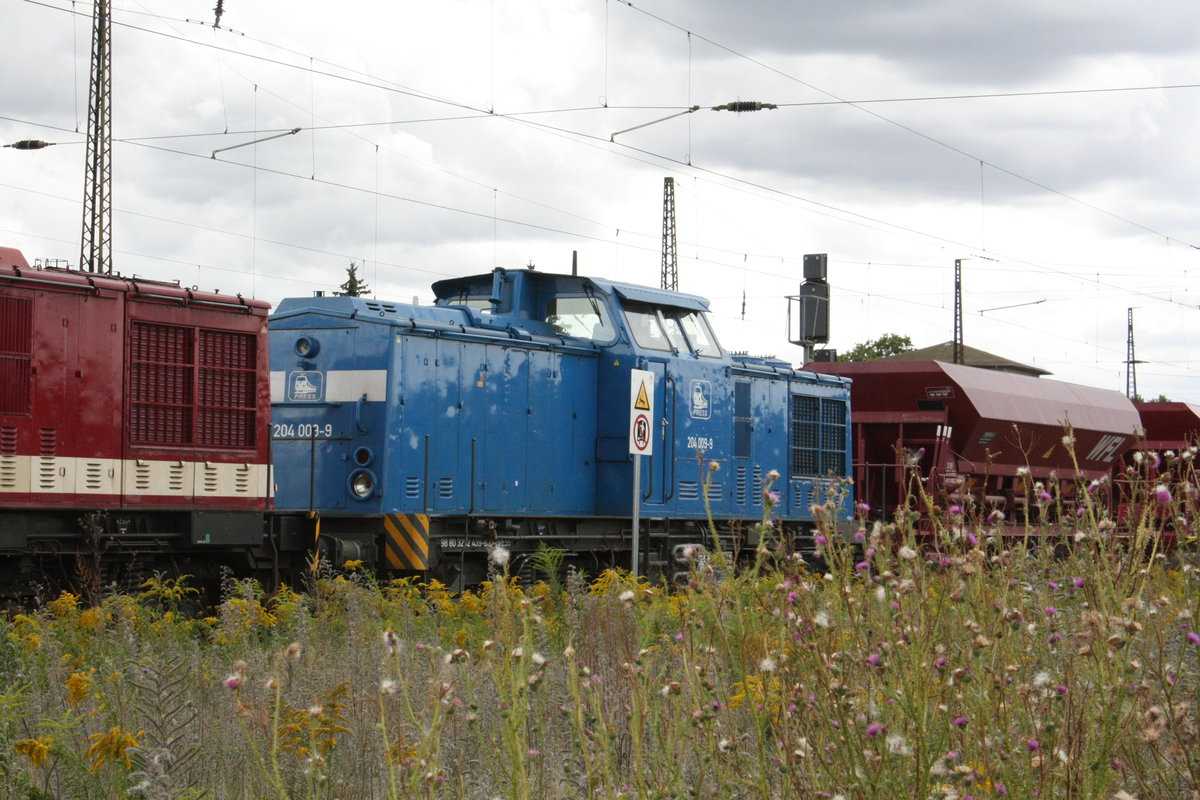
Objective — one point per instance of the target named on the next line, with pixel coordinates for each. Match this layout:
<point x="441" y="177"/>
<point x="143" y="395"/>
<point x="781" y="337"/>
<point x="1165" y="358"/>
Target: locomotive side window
<point x="818" y="438"/>
<point x="583" y="316"/>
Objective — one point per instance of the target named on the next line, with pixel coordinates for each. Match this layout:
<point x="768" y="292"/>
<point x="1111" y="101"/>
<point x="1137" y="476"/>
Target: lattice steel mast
<point x="96" y="248"/>
<point x="1131" y="362"/>
<point x="958" y="318"/>
<point x="670" y="256"/>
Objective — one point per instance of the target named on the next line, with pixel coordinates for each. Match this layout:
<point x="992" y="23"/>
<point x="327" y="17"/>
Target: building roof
<point x="972" y="357"/>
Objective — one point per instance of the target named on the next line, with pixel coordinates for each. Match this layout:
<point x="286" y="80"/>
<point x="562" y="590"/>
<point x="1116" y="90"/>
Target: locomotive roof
<point x="627" y="291"/>
<point x="14" y="267"/>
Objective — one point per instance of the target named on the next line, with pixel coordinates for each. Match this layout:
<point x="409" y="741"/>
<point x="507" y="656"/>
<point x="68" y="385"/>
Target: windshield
<point x="672" y="329"/>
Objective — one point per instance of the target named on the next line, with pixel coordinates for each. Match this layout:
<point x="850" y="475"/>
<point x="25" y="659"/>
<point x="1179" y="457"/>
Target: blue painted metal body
<point x="510" y="398"/>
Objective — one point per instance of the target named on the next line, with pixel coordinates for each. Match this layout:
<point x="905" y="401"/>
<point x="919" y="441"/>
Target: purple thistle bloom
<point x="862" y="565"/>
<point x="960" y="722"/>
<point x="791" y="597"/>
<point x="1079" y="582"/>
<point x="863" y="507"/>
<point x="971" y="540"/>
<point x="1052" y="584"/>
<point x="873" y="659"/>
<point x="870" y="552"/>
<point x="860" y="535"/>
<point x="874" y="728"/>
<point x="954" y="509"/>
<point x="1051" y="611"/>
<point x="940" y="663"/>
<point x="1193" y="637"/>
<point x="772" y="498"/>
<point x="1061" y="689"/>
<point x="1033" y="745"/>
<point x="1045" y="496"/>
<point x="1162" y="494"/>
<point x="820" y="540"/>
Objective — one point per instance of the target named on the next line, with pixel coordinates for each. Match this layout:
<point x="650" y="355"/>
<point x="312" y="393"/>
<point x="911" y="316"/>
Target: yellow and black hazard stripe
<point x="407" y="541"/>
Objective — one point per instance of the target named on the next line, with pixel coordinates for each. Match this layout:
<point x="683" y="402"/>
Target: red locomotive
<point x="133" y="423"/>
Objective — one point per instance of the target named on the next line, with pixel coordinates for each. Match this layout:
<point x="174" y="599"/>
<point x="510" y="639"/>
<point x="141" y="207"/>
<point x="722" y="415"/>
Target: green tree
<point x="890" y="344"/>
<point x="354" y="286"/>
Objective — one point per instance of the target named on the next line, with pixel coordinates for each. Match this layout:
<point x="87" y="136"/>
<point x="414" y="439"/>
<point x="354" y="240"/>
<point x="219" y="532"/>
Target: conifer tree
<point x="354" y="286"/>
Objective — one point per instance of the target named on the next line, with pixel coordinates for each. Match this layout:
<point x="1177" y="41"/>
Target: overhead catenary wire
<point x="713" y="173"/>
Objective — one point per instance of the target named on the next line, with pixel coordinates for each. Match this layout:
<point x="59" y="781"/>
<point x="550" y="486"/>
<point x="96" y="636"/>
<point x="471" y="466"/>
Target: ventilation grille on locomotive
<point x="818" y="439"/>
<point x="16" y="336"/>
<point x="192" y="389"/>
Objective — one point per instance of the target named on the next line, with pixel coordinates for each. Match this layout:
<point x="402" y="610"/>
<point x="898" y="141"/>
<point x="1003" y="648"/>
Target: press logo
<point x="305" y="387"/>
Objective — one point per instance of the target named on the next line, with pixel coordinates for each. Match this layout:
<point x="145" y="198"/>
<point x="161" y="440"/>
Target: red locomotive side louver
<point x="160" y="387"/>
<point x="181" y="394"/>
<point x="226" y="389"/>
<point x="16" y="325"/>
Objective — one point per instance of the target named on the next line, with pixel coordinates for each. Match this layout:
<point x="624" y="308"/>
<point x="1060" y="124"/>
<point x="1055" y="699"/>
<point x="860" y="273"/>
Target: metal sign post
<point x="641" y="442"/>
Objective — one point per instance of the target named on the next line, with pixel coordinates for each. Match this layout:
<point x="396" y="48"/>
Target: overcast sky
<point x="1047" y="143"/>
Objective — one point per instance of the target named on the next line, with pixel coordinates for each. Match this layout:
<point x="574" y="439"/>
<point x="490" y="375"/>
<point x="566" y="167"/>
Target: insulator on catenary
<point x="744" y="105"/>
<point x="29" y="144"/>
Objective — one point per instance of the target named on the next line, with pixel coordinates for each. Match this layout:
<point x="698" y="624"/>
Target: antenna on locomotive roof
<point x="574" y="263"/>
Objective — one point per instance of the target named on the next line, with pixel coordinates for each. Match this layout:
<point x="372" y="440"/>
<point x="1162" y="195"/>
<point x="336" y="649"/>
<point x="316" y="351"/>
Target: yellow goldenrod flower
<point x="111" y="746"/>
<point x="36" y="750"/>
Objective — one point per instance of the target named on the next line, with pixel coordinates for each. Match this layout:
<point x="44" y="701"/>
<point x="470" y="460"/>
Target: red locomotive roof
<point x="11" y="257"/>
<point x="1169" y="426"/>
<point x="14" y="267"/>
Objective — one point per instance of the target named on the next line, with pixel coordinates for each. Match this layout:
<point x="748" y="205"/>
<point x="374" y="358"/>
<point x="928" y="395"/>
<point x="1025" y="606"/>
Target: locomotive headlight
<point x="307" y="347"/>
<point x="362" y="484"/>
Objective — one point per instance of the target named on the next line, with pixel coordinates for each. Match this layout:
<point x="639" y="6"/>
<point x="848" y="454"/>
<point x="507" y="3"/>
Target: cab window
<point x="583" y="316"/>
<point x="695" y="325"/>
<point x="644" y="323"/>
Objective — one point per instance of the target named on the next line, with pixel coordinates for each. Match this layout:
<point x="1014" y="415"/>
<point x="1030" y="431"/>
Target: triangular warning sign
<point x="643" y="402"/>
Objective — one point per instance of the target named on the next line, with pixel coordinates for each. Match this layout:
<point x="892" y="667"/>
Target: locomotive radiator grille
<point x="407" y="541"/>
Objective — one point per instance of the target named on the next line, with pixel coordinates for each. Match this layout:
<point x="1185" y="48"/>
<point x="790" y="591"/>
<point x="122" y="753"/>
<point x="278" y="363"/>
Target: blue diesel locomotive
<point x="416" y="438"/>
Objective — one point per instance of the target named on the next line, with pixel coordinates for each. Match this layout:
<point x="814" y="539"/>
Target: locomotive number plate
<point x="287" y="430"/>
<point x="704" y="443"/>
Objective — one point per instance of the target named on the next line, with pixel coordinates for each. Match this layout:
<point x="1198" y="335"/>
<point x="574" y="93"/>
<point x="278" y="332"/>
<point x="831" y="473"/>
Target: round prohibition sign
<point x="641" y="431"/>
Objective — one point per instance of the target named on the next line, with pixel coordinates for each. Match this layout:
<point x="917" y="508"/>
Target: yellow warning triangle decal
<point x="642" y="403"/>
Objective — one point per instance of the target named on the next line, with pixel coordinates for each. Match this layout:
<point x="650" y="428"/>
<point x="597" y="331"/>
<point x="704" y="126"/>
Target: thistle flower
<point x="498" y="556"/>
<point x="907" y="553"/>
<point x="391" y="642"/>
<point x="1162" y="494"/>
<point x="874" y="728"/>
<point x="714" y="466"/>
<point x="233" y="681"/>
<point x="773" y="475"/>
<point x="1193" y="637"/>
